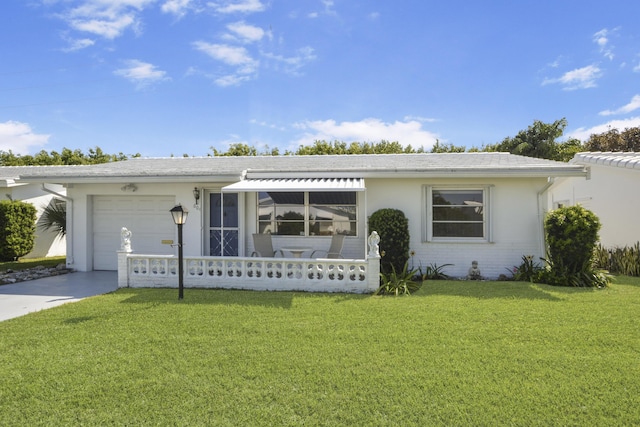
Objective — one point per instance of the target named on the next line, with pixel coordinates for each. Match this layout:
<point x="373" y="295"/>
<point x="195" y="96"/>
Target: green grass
<point x="24" y="264"/>
<point x="455" y="353"/>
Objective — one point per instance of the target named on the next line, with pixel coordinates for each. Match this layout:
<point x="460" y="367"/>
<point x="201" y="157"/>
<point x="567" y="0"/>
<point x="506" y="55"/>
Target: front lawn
<point x="455" y="353"/>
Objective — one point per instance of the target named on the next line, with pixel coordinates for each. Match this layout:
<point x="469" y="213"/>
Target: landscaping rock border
<point x="38" y="272"/>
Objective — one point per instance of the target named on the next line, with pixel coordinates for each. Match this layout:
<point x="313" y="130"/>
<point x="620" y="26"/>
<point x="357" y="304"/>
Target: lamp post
<point x="179" y="215"/>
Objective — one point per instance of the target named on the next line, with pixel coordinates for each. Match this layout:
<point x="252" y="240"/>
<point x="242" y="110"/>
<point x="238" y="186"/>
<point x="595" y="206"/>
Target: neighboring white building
<point x="461" y="207"/>
<point x="47" y="243"/>
<point x="611" y="191"/>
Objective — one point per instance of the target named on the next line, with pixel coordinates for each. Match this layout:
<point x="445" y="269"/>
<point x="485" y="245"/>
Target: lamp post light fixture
<point x="196" y="195"/>
<point x="179" y="215"/>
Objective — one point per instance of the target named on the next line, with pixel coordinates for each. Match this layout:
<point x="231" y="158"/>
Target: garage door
<point x="147" y="217"/>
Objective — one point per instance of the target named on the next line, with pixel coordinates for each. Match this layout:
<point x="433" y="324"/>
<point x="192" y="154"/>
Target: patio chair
<point x="263" y="247"/>
<point x="335" y="249"/>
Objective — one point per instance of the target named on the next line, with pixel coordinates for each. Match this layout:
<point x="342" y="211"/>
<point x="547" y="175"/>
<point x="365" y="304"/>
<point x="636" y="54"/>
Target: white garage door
<point x="147" y="217"/>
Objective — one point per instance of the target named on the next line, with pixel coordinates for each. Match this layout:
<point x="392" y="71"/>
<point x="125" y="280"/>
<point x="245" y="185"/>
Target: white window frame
<point x="427" y="216"/>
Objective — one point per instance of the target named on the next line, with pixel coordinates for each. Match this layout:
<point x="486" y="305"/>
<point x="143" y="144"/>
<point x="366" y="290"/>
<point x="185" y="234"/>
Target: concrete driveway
<point x="21" y="298"/>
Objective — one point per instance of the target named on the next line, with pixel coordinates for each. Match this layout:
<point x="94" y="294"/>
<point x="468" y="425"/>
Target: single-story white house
<point x="47" y="242"/>
<point x="462" y="207"/>
<point x="610" y="191"/>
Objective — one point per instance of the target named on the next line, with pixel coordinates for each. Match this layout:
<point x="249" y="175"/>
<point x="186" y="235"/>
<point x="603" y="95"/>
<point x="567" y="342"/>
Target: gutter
<point x="69" y="235"/>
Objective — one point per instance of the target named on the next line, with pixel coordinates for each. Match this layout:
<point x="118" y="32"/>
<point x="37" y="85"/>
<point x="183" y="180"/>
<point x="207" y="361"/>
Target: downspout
<point x="541" y="193"/>
<point x="69" y="235"/>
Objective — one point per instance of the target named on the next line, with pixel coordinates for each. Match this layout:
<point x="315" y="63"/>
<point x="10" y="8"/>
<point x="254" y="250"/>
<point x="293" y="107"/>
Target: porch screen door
<point x="223" y="224"/>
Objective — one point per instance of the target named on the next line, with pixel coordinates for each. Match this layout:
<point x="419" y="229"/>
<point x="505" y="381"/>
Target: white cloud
<point x="19" y="137"/>
<point x="245" y="32"/>
<point x="580" y="78"/>
<point x="178" y="8"/>
<point x="236" y="56"/>
<point x="583" y="134"/>
<point x="292" y="64"/>
<point x="78" y="44"/>
<point x="237" y="6"/>
<point x="601" y="38"/>
<point x="367" y="130"/>
<point x="141" y="73"/>
<point x="633" y="105"/>
<point x="106" y="18"/>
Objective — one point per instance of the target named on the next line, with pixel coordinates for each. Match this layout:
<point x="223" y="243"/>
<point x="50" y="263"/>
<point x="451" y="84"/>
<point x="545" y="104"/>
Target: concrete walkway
<point x="21" y="298"/>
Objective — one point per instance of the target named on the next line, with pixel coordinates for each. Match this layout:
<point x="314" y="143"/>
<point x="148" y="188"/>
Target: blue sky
<point x="174" y="77"/>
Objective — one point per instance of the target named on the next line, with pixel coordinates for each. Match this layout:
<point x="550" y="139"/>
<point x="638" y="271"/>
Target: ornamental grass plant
<point x="453" y="353"/>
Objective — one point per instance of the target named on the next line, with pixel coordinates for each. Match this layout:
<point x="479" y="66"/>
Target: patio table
<point x="296" y="251"/>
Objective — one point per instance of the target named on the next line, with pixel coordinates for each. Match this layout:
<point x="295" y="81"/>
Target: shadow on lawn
<point x="490" y="290"/>
<point x="207" y="296"/>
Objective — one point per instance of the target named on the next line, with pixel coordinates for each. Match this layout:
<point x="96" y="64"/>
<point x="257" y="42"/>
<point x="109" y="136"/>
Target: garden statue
<point x="474" y="272"/>
<point x="125" y="240"/>
<point x="373" y="240"/>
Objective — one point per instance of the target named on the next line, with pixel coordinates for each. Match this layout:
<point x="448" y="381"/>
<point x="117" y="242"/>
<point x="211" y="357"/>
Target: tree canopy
<point x="614" y="140"/>
<point x="65" y="157"/>
<point x="539" y="140"/>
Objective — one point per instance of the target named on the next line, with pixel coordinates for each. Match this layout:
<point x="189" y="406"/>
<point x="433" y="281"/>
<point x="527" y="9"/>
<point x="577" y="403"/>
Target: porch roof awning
<point x="297" y="184"/>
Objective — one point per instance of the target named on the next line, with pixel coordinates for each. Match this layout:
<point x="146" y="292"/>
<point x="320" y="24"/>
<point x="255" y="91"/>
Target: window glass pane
<point x="332" y="198"/>
<point x="327" y="228"/>
<point x="230" y="210"/>
<point x="289" y="212"/>
<point x="290" y="228"/>
<point x="281" y="198"/>
<point x="457" y="197"/>
<point x="441" y="229"/>
<point x="214" y="208"/>
<point x="458" y="213"/>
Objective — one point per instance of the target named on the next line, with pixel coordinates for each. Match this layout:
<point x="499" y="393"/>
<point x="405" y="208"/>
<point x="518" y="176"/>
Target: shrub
<point x="528" y="270"/>
<point x="17" y="229"/>
<point x="572" y="235"/>
<point x="399" y="282"/>
<point x="434" y="272"/>
<point x="624" y="261"/>
<point x="393" y="227"/>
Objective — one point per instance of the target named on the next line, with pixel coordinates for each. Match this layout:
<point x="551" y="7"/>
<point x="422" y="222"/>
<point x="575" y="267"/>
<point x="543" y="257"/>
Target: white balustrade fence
<point x="282" y="274"/>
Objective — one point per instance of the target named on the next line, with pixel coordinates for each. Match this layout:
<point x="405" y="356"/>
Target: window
<point x="316" y="213"/>
<point x="457" y="213"/>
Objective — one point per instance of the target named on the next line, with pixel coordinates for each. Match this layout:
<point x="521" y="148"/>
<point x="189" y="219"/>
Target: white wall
<point x="612" y="194"/>
<point x="515" y="221"/>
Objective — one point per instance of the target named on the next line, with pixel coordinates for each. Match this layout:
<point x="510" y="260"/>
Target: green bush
<point x="572" y="236"/>
<point x="17" y="229"/>
<point x="398" y="282"/>
<point x="624" y="261"/>
<point x="393" y="228"/>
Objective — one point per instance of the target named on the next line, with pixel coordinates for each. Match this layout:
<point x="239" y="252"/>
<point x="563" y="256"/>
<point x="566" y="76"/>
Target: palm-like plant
<point x="54" y="217"/>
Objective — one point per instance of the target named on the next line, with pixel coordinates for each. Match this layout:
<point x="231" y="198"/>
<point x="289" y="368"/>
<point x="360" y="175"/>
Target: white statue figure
<point x="474" y="271"/>
<point x="125" y="240"/>
<point x="373" y="240"/>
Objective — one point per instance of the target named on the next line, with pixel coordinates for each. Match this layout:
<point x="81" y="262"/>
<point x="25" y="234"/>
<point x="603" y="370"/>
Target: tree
<point x="447" y="148"/>
<point x="54" y="217"/>
<point x="614" y="140"/>
<point x="539" y="140"/>
<point x="65" y="157"/>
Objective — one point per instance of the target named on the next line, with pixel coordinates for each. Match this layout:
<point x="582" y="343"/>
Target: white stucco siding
<point x="516" y="226"/>
<point x="612" y="194"/>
